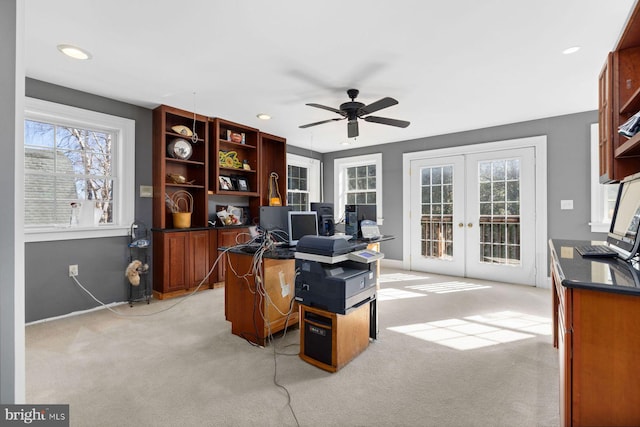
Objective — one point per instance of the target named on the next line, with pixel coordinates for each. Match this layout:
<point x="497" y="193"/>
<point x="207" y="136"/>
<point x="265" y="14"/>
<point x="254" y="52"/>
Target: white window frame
<point x="313" y="174"/>
<point x="600" y="223"/>
<point x="124" y="169"/>
<point x="340" y="167"/>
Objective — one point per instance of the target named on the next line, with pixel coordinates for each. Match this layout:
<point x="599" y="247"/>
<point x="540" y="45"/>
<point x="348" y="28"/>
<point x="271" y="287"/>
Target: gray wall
<point x="11" y="254"/>
<point x="49" y="291"/>
<point x="101" y="262"/>
<point x="568" y="164"/>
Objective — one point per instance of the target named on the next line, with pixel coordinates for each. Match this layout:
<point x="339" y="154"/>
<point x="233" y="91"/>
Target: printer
<point x="334" y="274"/>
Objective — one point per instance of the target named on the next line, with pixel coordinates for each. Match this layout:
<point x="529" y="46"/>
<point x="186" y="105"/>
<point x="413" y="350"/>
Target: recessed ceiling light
<point x="571" y="50"/>
<point x="74" y="51"/>
<point x="263" y="116"/>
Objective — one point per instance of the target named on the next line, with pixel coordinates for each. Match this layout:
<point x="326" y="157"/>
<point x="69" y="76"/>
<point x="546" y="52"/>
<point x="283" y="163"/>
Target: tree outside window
<point x="66" y="166"/>
<point x="361" y="185"/>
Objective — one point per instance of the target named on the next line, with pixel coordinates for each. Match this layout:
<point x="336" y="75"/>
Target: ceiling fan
<point x="354" y="110"/>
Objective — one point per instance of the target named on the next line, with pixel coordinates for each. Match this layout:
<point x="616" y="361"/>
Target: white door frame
<point x="539" y="143"/>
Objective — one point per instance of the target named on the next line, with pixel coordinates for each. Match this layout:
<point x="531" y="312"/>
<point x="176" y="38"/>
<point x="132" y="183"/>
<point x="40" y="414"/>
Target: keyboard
<point x="596" y="251"/>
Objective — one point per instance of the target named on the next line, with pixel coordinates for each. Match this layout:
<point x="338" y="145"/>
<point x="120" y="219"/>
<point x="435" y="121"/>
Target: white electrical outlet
<point x="566" y="204"/>
<point x="73" y="270"/>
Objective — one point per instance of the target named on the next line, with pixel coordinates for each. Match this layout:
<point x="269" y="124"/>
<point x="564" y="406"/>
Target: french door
<point x="473" y="215"/>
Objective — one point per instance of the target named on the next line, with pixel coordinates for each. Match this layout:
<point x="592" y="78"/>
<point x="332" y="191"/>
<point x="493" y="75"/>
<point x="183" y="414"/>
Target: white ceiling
<point x="453" y="65"/>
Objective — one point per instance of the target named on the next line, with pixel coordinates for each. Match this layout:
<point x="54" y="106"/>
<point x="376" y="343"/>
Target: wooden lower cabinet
<point x="257" y="310"/>
<point x="180" y="262"/>
<point x="598" y="337"/>
<point x="229" y="237"/>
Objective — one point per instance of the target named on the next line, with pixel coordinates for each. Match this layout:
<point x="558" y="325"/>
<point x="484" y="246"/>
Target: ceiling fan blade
<point x="352" y="129"/>
<point x="324" y="107"/>
<point x="375" y="106"/>
<point x="386" y="121"/>
<point x="319" y="123"/>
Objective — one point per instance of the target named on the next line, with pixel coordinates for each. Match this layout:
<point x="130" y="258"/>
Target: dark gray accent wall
<point x="11" y="255"/>
<point x="568" y="169"/>
<point x="101" y="262"/>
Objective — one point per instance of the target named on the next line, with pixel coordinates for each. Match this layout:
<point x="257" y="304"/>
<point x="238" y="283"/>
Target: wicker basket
<point x="183" y="207"/>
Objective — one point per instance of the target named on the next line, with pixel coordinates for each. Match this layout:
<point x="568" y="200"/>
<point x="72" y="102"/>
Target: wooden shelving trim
<point x="185" y="162"/>
<point x="629" y="148"/>
<point x="235" y="171"/>
<point x="172" y="184"/>
<point x="235" y="193"/>
<point x="240" y="145"/>
<point x="632" y="106"/>
<point x="187" y="138"/>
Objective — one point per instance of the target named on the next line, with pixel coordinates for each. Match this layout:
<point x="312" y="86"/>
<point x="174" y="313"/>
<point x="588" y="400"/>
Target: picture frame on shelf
<point x="226" y="183"/>
<point x="242" y="184"/>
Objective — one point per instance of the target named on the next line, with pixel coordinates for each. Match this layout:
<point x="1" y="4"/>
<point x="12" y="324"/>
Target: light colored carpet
<point x="451" y="352"/>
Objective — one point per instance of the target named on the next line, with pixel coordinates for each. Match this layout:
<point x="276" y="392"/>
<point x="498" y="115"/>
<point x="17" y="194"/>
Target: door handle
<point x="460" y="224"/>
<point x="470" y="225"/>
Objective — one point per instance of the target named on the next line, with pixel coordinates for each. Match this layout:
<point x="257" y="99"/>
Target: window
<point x="358" y="180"/>
<point x="303" y="182"/>
<point x="78" y="172"/>
<point x="603" y="196"/>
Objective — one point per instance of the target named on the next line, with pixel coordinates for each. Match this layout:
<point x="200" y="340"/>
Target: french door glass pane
<point x="436" y="221"/>
<point x="499" y="207"/>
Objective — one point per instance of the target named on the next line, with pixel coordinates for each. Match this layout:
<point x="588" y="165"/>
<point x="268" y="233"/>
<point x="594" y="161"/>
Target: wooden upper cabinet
<point x="273" y="159"/>
<point x="605" y="135"/>
<point x="234" y="155"/>
<point x="619" y="100"/>
<point x="172" y="173"/>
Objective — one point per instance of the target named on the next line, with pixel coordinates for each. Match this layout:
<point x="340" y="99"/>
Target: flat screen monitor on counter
<point x="623" y="233"/>
<point x="302" y="223"/>
<point x="275" y="220"/>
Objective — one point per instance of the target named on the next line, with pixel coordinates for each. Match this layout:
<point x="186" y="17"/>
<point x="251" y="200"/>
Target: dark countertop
<point x="278" y="253"/>
<point x="598" y="274"/>
<point x="289" y="253"/>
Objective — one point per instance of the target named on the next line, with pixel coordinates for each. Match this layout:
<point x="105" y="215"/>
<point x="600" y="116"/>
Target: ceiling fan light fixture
<point x="74" y="51"/>
<point x="354" y="110"/>
<point x="263" y="116"/>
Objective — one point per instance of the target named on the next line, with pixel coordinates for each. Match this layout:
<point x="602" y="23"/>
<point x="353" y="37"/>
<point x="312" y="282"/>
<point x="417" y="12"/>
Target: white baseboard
<point x="391" y="263"/>
<point x="76" y="313"/>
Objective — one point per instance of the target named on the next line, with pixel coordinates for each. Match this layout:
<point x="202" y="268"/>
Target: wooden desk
<point x="596" y="311"/>
<point x="254" y="314"/>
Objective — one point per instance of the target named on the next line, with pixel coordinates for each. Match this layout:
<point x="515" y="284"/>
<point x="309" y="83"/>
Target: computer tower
<point x="318" y="337"/>
<point x="354" y="215"/>
<point x="326" y="224"/>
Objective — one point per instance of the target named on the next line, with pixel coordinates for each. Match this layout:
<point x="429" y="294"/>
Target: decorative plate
<point x="180" y="149"/>
<point x="229" y="159"/>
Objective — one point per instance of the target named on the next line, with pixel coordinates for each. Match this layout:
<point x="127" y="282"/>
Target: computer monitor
<point x="302" y="223"/>
<point x="623" y="233"/>
<point x="326" y="223"/>
<point x="275" y="220"/>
